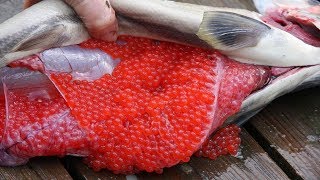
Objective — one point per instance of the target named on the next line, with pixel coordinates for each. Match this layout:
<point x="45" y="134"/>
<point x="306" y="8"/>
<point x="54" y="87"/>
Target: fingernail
<point x="108" y="3"/>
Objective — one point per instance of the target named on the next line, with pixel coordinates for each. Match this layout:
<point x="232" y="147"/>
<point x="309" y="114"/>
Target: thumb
<point x="28" y="3"/>
<point x="98" y="16"/>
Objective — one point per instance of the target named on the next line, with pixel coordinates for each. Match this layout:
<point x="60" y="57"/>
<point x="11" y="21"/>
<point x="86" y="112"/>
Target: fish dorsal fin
<point x="230" y="31"/>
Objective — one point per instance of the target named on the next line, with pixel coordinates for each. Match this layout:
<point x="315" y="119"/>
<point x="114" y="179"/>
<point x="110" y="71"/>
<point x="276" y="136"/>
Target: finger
<point x="28" y="3"/>
<point x="98" y="16"/>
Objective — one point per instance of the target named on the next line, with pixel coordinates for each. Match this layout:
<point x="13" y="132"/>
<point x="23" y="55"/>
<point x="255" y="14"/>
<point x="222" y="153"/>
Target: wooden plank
<point x="49" y="168"/>
<point x="15" y="173"/>
<point x="38" y="168"/>
<point x="289" y="129"/>
<point x="180" y="171"/>
<point x="253" y="163"/>
<point x="80" y="171"/>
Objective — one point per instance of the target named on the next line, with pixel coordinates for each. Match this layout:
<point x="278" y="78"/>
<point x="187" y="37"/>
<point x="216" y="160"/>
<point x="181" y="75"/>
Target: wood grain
<point x="80" y="171"/>
<point x="180" y="171"/>
<point x="49" y="168"/>
<point x="21" y="172"/>
<point x="289" y="129"/>
<point x="253" y="163"/>
<point x="38" y="168"/>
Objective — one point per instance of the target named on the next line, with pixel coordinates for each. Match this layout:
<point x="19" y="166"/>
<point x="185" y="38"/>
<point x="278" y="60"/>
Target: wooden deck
<point x="281" y="142"/>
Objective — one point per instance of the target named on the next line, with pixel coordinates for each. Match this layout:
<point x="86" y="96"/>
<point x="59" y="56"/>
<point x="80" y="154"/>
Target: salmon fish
<point x="152" y="99"/>
<point x="250" y="40"/>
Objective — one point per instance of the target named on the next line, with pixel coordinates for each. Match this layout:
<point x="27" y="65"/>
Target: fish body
<point x="205" y="27"/>
<point x="258" y="44"/>
<point x="149" y="104"/>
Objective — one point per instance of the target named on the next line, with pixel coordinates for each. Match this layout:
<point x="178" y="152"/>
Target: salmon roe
<point x="2" y="113"/>
<point x="38" y="121"/>
<point x="159" y="105"/>
<point x="223" y="142"/>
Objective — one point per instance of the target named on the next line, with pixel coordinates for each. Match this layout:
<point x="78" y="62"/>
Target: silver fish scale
<point x="8" y="8"/>
<point x="11" y="43"/>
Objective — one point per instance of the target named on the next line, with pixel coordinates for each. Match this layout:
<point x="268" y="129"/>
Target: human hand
<point x="97" y="15"/>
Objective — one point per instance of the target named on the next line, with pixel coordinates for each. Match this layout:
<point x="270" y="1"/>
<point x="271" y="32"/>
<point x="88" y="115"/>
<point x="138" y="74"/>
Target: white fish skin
<point x="52" y="23"/>
<point x="263" y="5"/>
<point x="45" y="25"/>
<point x="278" y="49"/>
<point x="274" y="48"/>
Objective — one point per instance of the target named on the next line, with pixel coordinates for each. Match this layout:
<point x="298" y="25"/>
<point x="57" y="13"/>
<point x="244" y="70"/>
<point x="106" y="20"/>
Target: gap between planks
<point x="289" y="130"/>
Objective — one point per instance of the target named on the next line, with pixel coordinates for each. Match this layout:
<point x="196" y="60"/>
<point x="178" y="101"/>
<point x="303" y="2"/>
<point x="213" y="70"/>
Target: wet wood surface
<point x="252" y="162"/>
<point x="289" y="129"/>
<point x="38" y="168"/>
<point x="281" y="142"/>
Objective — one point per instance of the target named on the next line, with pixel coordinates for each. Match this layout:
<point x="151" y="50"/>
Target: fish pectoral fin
<point x="230" y="31"/>
<point x="44" y="38"/>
